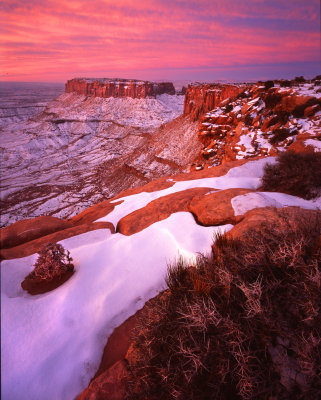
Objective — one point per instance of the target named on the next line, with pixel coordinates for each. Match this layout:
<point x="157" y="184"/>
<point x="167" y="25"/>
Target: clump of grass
<point x="53" y="261"/>
<point x="244" y="323"/>
<point x="298" y="174"/>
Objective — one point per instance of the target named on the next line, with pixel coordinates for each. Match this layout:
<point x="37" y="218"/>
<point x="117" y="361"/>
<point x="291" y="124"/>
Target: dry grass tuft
<point x="244" y="323"/>
<point x="52" y="262"/>
<point x="297" y="174"/>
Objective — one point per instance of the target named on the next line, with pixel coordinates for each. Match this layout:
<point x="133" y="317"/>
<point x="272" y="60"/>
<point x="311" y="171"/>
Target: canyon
<point x="128" y="184"/>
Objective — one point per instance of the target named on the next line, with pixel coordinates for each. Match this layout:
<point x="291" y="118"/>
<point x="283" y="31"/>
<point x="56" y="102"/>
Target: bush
<point x="298" y="174"/>
<point x="52" y="262"/>
<point x="244" y="323"/>
<point x="268" y="84"/>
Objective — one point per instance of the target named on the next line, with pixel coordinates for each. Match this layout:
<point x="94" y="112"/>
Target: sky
<point x="198" y="40"/>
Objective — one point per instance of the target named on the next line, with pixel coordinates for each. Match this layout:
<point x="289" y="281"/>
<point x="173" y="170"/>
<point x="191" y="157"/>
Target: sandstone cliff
<point x="200" y="98"/>
<point x="118" y="88"/>
<point x="260" y="121"/>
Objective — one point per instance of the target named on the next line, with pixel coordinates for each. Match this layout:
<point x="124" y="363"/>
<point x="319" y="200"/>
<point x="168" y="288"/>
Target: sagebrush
<point x="244" y="323"/>
<point x="53" y="261"/>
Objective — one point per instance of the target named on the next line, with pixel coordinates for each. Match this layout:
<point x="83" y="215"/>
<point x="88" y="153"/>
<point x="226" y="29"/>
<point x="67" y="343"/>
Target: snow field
<point x="52" y="343"/>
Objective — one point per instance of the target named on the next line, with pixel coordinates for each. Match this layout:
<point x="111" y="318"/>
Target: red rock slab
<point x="216" y="208"/>
<point x="254" y="219"/>
<point x="94" y="212"/>
<point x="30" y="229"/>
<point x="158" y="210"/>
<point x="110" y="385"/>
<point x="26" y="249"/>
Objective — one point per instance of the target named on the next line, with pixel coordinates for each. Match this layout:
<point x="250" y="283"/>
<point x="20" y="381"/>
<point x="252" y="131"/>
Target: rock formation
<point x="200" y="98"/>
<point x="240" y="122"/>
<point x="118" y="88"/>
<point x="260" y="122"/>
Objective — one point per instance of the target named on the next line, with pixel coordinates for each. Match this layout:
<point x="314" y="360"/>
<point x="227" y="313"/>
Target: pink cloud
<point x="59" y="40"/>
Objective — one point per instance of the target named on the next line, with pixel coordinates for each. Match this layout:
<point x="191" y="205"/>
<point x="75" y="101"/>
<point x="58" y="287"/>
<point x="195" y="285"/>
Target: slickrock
<point x="94" y="212"/>
<point x="33" y="246"/>
<point x="109" y="385"/>
<point x="118" y="88"/>
<point x="30" y="229"/>
<point x="158" y="210"/>
<point x="215" y="208"/>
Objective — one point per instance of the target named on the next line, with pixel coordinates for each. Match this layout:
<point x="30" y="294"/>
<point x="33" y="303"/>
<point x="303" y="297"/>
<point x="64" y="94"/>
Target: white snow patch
<point x="243" y="203"/>
<point x="315" y="143"/>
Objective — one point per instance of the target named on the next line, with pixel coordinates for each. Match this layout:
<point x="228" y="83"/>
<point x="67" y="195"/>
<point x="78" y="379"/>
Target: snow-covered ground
<point x="51" y="344"/>
<point x="21" y="100"/>
<point x="49" y="163"/>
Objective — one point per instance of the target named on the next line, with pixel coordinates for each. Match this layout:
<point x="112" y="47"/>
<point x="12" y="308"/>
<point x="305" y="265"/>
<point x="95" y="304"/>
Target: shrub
<point x="285" y="83"/>
<point x="298" y="174"/>
<point x="268" y="84"/>
<point x="52" y="262"/>
<point x="244" y="323"/>
<point x="299" y="79"/>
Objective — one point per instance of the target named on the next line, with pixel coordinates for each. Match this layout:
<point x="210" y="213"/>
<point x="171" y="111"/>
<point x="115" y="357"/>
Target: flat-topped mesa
<point x="201" y="98"/>
<point x="118" y="88"/>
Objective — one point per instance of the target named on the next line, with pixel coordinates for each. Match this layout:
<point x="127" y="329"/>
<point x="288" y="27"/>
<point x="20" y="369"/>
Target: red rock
<point x="254" y="219"/>
<point x="94" y="212"/>
<point x="202" y="98"/>
<point x="296" y="104"/>
<point x="118" y="88"/>
<point x="33" y="246"/>
<point x="309" y="111"/>
<point x="158" y="210"/>
<point x="110" y="385"/>
<point x="30" y="229"/>
<point x="216" y="208"/>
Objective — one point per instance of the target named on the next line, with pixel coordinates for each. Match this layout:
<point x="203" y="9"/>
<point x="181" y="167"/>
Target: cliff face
<point x="118" y="88"/>
<point x="200" y="99"/>
<point x="261" y="122"/>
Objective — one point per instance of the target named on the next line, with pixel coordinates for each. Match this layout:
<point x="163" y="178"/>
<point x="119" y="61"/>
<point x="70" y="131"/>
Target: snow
<point x="246" y="141"/>
<point x="315" y="143"/>
<point x="61" y="150"/>
<point x="243" y="203"/>
<point x="308" y="89"/>
<point x="52" y="343"/>
<point x="245" y="176"/>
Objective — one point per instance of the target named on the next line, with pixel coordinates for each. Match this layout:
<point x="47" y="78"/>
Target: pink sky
<point x="55" y="40"/>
